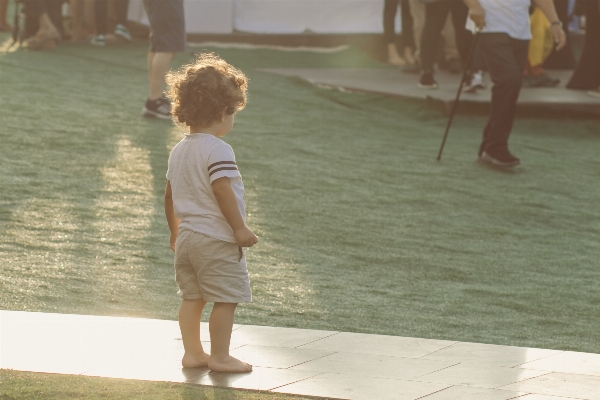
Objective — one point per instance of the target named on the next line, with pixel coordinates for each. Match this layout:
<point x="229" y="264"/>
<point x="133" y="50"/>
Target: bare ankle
<point x="195" y="359"/>
<point x="228" y="364"/>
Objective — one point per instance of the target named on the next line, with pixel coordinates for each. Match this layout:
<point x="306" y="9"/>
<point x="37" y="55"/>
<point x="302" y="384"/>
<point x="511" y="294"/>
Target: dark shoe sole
<point x="485" y="159"/>
<point x="153" y="114"/>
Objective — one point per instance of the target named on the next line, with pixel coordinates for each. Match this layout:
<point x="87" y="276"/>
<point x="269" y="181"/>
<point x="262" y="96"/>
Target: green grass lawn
<point x="361" y="229"/>
<point x="31" y="386"/>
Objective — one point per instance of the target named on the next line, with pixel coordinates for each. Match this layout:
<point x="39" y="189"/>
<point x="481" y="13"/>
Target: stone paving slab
<point x="327" y="364"/>
<point x="392" y="81"/>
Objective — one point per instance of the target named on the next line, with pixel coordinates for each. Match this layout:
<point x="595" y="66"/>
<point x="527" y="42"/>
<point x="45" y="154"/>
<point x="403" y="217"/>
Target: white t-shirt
<point x="194" y="163"/>
<point x="508" y="16"/>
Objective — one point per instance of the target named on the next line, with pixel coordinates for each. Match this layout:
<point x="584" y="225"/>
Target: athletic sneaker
<point x="99" y="40"/>
<point x="426" y="81"/>
<point x="475" y="82"/>
<point x="498" y="158"/>
<point x="123" y="32"/>
<point x="159" y="108"/>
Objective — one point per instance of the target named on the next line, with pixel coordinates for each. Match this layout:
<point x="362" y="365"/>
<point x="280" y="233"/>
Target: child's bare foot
<point x="228" y="364"/>
<point x="195" y="360"/>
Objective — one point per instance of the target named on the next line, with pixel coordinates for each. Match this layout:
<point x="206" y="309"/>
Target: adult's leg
<point x="158" y="66"/>
<point x="587" y="73"/>
<point x="417" y="12"/>
<point x="390" y="9"/>
<point x="464" y="37"/>
<point x="42" y="32"/>
<point x="220" y="326"/>
<point x="4" y="26"/>
<point x="449" y="35"/>
<point x="101" y="16"/>
<point x="435" y="16"/>
<point x="407" y="39"/>
<point x="190" y="312"/>
<point x="121" y="7"/>
<point x="505" y="58"/>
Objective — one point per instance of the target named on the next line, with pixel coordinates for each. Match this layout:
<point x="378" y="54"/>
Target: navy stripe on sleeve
<point x="220" y="163"/>
<point x="222" y="169"/>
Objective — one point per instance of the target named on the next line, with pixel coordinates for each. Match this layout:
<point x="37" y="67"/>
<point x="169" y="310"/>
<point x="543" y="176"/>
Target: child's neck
<point x="211" y="130"/>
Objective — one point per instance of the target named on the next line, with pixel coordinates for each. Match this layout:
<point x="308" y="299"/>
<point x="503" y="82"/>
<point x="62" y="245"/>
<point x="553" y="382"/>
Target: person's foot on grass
<point x="159" y="108"/>
<point x="228" y="364"/>
<point x="499" y="157"/>
<point x="122" y="32"/>
<point x="98" y="40"/>
<point x="41" y="40"/>
<point x="197" y="360"/>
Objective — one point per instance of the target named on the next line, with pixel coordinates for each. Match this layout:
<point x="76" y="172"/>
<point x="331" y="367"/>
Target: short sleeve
<point x="221" y="162"/>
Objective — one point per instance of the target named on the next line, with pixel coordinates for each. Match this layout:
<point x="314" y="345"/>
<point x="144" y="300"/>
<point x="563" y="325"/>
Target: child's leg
<point x="220" y="326"/>
<point x="190" y="313"/>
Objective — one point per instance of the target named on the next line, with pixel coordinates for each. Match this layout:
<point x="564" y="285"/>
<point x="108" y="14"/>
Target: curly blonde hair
<point x="203" y="91"/>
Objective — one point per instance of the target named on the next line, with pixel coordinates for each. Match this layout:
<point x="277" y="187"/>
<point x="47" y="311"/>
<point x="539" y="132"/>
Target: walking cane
<point x="462" y="82"/>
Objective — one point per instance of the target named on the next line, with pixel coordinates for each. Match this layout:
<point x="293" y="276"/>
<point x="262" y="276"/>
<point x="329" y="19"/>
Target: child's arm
<point x="228" y="204"/>
<point x="172" y="220"/>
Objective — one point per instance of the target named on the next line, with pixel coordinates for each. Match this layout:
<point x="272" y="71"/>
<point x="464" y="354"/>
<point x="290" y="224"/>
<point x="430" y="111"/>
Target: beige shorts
<point x="210" y="269"/>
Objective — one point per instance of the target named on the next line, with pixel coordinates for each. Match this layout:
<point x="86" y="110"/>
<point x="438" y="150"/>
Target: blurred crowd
<point x="43" y="25"/>
<point x="435" y="36"/>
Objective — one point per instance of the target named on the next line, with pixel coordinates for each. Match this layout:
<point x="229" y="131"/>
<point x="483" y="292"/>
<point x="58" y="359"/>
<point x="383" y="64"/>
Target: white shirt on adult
<point x="194" y="163"/>
<point x="507" y="16"/>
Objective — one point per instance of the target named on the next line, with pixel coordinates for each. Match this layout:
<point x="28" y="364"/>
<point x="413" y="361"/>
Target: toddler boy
<point x="204" y="206"/>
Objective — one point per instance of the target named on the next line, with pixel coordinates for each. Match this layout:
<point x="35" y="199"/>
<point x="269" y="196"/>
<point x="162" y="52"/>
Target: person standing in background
<point x="4" y="26"/>
<point x="407" y="42"/>
<point x="504" y="38"/>
<point x="587" y="73"/>
<point x="101" y="21"/>
<point x="167" y="37"/>
<point x="436" y="13"/>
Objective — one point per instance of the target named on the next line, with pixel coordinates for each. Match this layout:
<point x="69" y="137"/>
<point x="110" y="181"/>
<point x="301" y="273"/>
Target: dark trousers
<point x="34" y="10"/>
<point x="390" y="8"/>
<point x="101" y="14"/>
<point x="505" y="58"/>
<point x="435" y="18"/>
<point x="587" y="72"/>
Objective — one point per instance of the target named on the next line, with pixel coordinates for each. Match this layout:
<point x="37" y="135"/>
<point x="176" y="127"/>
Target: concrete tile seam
<point x="431" y="394"/>
<point x="541" y="358"/>
<point x="435" y="351"/>
<point x="316" y="340"/>
<point x="525" y="380"/>
<point x="432" y="372"/>
<point x="314" y="359"/>
<point x="299" y="380"/>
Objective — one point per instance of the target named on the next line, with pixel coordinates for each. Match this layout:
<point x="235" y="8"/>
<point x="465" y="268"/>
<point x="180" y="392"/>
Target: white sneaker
<point x="99" y="40"/>
<point x="475" y="83"/>
<point x="123" y="32"/>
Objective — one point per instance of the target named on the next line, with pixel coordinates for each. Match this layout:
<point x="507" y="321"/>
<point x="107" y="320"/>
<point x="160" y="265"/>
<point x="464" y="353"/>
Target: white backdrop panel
<point x="201" y="16"/>
<point x="298" y="16"/>
<point x="276" y="16"/>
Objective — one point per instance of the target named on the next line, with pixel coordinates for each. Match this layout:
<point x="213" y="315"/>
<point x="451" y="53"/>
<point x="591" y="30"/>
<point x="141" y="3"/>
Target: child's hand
<point x="173" y="239"/>
<point x="245" y="237"/>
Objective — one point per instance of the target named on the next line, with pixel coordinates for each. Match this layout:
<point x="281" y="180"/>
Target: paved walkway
<point x="299" y="361"/>
<point x="392" y="81"/>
